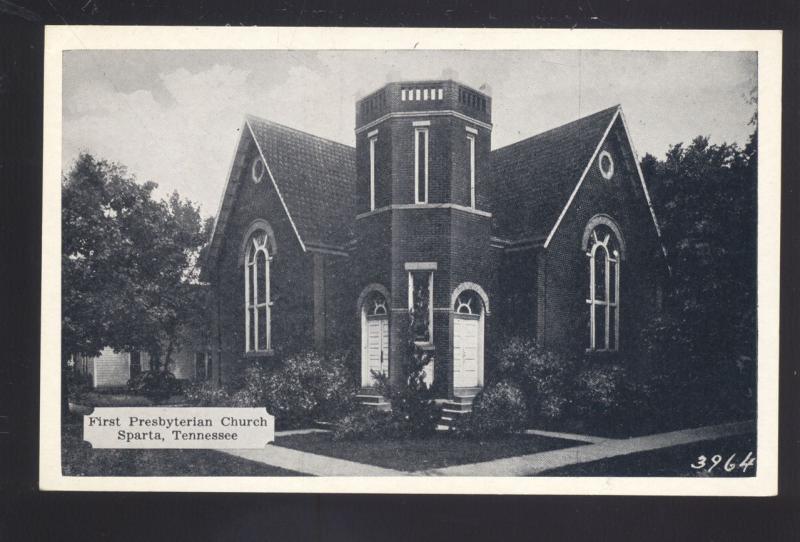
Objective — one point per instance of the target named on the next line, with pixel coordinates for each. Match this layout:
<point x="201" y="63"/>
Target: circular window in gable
<point x="606" y="165"/>
<point x="257" y="170"/>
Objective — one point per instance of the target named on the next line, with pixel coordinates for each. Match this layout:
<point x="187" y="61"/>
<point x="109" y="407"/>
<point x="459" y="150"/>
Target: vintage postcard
<point x="411" y="260"/>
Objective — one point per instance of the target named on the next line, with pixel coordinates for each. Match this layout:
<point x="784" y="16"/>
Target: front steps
<point x="373" y="400"/>
<point x="452" y="409"/>
<point x="460" y="405"/>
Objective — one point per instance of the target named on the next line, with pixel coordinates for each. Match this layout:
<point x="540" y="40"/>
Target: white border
<point x="766" y="43"/>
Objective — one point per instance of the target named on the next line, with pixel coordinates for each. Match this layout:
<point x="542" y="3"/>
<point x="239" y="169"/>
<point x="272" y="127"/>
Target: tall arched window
<point x="603" y="250"/>
<point x="257" y="292"/>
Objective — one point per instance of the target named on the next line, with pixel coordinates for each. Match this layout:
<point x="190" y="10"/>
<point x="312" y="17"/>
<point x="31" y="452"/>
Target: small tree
<point x="414" y="411"/>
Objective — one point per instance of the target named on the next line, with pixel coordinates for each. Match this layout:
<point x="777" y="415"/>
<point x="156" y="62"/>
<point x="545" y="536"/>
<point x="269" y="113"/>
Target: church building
<point x="422" y="232"/>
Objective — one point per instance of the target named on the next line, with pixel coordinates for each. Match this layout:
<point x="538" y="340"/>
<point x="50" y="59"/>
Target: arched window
<point x="468" y="302"/>
<point x="376" y="305"/>
<point x="604" y="253"/>
<point x="257" y="292"/>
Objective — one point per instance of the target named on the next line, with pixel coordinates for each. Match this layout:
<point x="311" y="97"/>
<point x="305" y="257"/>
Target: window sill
<point x="425" y="346"/>
<point x="601" y="353"/>
<point x="260" y="354"/>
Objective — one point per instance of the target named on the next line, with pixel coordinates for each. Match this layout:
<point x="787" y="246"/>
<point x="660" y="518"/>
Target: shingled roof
<point x="534" y="178"/>
<point x="315" y="177"/>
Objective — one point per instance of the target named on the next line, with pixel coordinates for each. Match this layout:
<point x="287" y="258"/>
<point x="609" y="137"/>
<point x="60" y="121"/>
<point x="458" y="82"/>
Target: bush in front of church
<point x="299" y="390"/>
<point x="206" y="394"/>
<point x="544" y="377"/>
<point x="363" y="424"/>
<point x="497" y="410"/>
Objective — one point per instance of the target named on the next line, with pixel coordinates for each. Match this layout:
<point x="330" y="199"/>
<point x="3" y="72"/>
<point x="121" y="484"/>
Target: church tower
<point x="422" y="230"/>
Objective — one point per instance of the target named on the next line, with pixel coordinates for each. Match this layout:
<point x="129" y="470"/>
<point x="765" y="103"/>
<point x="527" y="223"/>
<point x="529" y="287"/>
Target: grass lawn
<point x="415" y="454"/>
<point x="78" y="458"/>
<point x="673" y="461"/>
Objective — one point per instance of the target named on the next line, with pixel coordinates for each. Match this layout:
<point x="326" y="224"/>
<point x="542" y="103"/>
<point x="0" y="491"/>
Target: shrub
<point x="155" y="385"/>
<point x="544" y="377"/>
<point x="303" y="388"/>
<point x="597" y="390"/>
<point x="497" y="410"/>
<point x="78" y="383"/>
<point x="337" y="389"/>
<point x="207" y="394"/>
<point x="364" y="423"/>
<point x="700" y="386"/>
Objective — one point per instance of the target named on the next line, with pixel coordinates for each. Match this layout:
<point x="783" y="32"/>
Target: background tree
<point x="706" y="200"/>
<point x="128" y="263"/>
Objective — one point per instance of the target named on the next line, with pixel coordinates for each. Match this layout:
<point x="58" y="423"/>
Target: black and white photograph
<point x="522" y="260"/>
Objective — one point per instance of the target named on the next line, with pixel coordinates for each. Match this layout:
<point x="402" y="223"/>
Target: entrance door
<point x="376" y="349"/>
<point x="467" y="350"/>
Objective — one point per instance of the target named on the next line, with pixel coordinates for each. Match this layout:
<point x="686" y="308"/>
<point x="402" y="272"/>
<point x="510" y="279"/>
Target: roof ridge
<point x="579" y="119"/>
<point x="250" y="116"/>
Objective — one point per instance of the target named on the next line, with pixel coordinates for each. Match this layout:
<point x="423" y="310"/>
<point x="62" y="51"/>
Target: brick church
<point x="321" y="244"/>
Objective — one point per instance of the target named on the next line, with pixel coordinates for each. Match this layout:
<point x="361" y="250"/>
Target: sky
<point x="173" y="117"/>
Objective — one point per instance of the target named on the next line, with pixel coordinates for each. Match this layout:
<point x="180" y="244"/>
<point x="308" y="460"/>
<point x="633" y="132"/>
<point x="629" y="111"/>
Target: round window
<point x="606" y="165"/>
<point x="257" y="170"/>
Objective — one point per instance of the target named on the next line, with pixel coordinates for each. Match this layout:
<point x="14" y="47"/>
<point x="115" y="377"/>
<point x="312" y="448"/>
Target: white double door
<point x="375" y="351"/>
<point x="467" y="351"/>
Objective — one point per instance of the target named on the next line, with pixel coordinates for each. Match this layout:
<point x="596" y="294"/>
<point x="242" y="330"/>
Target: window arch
<point x="258" y="251"/>
<point x="468" y="303"/>
<point x="476" y="288"/>
<point x="604" y="248"/>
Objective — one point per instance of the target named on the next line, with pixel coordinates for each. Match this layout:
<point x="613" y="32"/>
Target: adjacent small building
<point x="423" y="233"/>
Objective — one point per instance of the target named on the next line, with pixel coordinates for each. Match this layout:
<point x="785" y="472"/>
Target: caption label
<point x="177" y="427"/>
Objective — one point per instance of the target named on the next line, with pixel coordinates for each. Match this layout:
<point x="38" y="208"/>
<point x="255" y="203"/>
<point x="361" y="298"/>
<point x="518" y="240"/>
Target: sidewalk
<point x="525" y="465"/>
<point x="308" y="463"/>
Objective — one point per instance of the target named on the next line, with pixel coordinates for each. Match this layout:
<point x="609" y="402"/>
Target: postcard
<point x="410" y="260"/>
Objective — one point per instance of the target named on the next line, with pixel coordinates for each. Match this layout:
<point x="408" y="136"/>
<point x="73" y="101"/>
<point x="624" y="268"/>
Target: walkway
<point x="525" y="465"/>
<point x="308" y="463"/>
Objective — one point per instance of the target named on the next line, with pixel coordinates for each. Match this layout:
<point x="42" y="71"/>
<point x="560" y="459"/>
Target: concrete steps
<point x="374" y="400"/>
<point x="453" y="409"/>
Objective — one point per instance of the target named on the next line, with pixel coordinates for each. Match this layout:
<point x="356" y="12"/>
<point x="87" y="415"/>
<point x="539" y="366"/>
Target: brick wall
<point x="566" y="265"/>
<point x="291" y="278"/>
<point x="516" y="298"/>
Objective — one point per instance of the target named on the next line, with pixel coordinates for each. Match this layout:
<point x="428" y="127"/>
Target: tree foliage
<point x="128" y="263"/>
<point x="706" y="200"/>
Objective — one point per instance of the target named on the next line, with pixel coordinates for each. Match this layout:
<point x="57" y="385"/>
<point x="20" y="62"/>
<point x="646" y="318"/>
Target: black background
<point x="27" y="514"/>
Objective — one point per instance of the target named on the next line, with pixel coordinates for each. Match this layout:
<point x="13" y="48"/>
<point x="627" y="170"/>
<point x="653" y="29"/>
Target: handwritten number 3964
<point x="730" y="464"/>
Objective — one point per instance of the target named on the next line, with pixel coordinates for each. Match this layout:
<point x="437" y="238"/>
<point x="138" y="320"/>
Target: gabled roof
<point x="313" y="177"/>
<point x="534" y="178"/>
